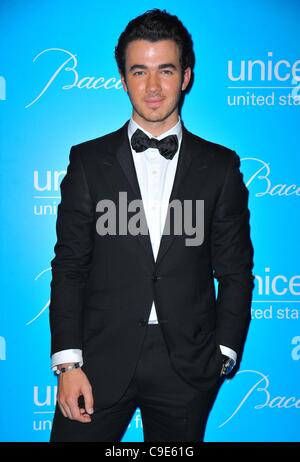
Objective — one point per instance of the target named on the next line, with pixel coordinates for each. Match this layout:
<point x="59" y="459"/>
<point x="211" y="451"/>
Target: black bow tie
<point x="167" y="146"/>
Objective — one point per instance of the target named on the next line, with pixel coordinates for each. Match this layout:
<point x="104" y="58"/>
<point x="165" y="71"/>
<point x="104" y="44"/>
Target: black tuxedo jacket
<point x="103" y="287"/>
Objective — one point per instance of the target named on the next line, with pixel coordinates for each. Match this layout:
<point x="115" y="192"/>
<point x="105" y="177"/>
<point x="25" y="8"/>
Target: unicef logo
<point x="2" y="349"/>
<point x="2" y="88"/>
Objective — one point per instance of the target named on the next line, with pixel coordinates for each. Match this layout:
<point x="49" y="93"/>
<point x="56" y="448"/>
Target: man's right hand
<point x="71" y="385"/>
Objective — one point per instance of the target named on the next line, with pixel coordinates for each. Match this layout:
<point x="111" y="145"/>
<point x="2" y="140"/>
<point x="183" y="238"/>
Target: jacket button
<point x="156" y="278"/>
<point x="142" y="322"/>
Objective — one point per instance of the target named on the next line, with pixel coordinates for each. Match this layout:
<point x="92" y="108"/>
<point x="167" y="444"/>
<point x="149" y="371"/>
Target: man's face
<point x="154" y="81"/>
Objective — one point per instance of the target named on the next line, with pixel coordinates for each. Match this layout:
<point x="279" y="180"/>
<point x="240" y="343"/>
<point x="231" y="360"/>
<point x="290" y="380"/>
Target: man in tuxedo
<point x="135" y="320"/>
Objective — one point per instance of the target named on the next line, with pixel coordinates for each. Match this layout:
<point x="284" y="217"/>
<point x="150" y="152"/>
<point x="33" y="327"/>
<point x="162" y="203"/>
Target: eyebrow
<point x="161" y="66"/>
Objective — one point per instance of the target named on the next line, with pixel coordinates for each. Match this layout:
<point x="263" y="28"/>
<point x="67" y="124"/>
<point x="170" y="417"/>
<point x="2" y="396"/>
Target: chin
<point x="154" y="116"/>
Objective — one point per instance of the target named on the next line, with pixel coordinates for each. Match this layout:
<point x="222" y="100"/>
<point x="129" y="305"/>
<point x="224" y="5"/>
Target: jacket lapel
<point x="183" y="165"/>
<point x="120" y="175"/>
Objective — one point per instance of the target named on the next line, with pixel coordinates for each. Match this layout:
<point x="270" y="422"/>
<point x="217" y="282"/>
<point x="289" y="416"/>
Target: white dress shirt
<point x="155" y="176"/>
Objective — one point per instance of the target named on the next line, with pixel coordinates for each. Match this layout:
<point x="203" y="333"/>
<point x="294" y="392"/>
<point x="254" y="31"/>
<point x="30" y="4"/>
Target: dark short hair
<point x="155" y="25"/>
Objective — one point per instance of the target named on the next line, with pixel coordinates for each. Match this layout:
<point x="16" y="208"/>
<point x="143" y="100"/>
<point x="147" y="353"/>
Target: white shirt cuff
<point x="229" y="352"/>
<point x="66" y="356"/>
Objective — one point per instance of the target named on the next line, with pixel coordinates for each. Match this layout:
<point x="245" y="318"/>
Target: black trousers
<point x="171" y="409"/>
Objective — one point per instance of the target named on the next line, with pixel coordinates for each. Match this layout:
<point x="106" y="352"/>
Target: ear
<point x="123" y="82"/>
<point x="186" y="78"/>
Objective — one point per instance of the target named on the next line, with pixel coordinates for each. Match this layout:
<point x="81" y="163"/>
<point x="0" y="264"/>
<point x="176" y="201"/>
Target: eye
<point x="167" y="72"/>
<point x="138" y="73"/>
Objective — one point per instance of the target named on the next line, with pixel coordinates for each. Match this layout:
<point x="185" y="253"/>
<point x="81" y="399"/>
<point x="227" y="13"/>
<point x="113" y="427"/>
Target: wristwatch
<point x="228" y="365"/>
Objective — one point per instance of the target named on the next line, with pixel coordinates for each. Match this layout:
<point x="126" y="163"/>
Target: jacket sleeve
<point x="71" y="264"/>
<point x="232" y="259"/>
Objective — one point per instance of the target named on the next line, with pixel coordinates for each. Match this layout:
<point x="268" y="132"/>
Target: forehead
<point x="152" y="53"/>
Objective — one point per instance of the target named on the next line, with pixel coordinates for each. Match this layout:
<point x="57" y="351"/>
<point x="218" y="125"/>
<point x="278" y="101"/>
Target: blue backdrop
<point x="59" y="86"/>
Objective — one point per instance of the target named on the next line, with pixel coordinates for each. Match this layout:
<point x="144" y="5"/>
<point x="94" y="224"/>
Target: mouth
<point x="154" y="102"/>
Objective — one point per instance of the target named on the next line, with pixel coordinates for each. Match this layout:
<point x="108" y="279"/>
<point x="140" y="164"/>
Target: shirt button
<point x="154" y="172"/>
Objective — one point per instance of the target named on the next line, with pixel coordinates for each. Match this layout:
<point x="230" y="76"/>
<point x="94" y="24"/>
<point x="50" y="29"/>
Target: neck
<point x="156" y="128"/>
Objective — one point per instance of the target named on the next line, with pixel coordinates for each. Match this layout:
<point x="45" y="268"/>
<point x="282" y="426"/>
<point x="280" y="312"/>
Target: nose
<point x="153" y="83"/>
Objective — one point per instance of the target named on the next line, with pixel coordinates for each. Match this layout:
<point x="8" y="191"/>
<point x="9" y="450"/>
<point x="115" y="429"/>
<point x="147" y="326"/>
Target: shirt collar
<point x="175" y="130"/>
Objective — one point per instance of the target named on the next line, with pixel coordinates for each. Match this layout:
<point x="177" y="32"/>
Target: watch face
<point x="229" y="365"/>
